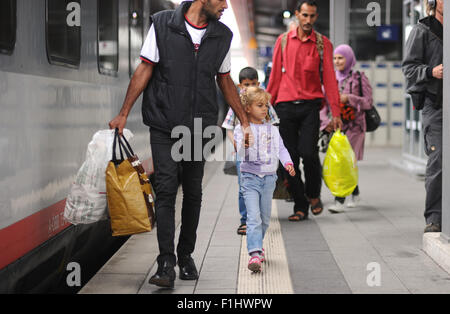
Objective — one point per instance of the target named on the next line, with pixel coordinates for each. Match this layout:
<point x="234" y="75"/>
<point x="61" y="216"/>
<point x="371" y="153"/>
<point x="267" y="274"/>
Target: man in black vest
<point x="184" y="52"/>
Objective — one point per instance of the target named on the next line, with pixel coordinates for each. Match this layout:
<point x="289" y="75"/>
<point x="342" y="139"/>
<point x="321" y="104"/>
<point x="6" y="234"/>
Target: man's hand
<point x="438" y="72"/>
<point x="344" y="99"/>
<point x="290" y="168"/>
<point x="118" y="122"/>
<point x="337" y="123"/>
<point x="330" y="127"/>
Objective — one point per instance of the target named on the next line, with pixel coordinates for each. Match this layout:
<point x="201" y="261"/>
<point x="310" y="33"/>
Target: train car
<point x="64" y="70"/>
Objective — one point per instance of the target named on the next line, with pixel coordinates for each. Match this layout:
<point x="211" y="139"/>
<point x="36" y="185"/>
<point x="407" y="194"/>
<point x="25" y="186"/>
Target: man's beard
<point x="209" y="14"/>
<point x="307" y="31"/>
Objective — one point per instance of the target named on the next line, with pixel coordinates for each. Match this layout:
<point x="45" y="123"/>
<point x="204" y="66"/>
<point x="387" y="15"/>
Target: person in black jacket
<point x="185" y="50"/>
<point x="423" y="69"/>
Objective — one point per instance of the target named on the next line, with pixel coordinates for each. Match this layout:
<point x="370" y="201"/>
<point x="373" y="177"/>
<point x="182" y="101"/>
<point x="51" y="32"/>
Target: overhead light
<point x="287" y="14"/>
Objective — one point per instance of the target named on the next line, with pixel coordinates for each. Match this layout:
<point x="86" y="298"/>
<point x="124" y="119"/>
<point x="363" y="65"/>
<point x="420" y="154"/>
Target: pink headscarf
<point x="350" y="58"/>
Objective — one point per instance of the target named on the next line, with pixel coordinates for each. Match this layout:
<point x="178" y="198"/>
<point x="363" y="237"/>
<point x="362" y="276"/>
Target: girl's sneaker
<point x="262" y="257"/>
<point x="255" y="264"/>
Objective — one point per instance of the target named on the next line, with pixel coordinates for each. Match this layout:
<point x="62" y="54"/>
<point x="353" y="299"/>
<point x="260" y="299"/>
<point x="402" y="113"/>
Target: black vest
<point x="183" y="85"/>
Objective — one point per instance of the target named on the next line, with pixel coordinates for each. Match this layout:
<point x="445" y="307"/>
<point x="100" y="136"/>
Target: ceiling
<point x="260" y="23"/>
<point x="269" y="19"/>
<point x="268" y="24"/>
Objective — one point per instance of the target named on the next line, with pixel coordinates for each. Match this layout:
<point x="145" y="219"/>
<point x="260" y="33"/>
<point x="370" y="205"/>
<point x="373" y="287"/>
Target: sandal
<point x="242" y="230"/>
<point x="298" y="216"/>
<point x="317" y="209"/>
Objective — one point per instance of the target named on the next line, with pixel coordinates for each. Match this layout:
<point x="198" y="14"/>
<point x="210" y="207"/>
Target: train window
<point x="136" y="33"/>
<point x="7" y="26"/>
<point x="108" y="37"/>
<point x="63" y="32"/>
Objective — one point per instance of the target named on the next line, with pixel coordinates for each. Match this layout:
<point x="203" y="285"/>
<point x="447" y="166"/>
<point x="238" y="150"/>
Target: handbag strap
<point x="125" y="149"/>
<point x="117" y="139"/>
<point x="122" y="148"/>
<point x="128" y="145"/>
<point x="360" y="85"/>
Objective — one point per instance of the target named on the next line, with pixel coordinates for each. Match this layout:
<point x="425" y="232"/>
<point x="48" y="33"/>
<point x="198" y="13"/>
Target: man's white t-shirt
<point x="150" y="51"/>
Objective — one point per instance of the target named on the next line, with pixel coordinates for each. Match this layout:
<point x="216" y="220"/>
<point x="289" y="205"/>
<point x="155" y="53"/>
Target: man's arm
<point x="229" y="91"/>
<point x="330" y="84"/>
<point x="275" y="74"/>
<point x="137" y="85"/>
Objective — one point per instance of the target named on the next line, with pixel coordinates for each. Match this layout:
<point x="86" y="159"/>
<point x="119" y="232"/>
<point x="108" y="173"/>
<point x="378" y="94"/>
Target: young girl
<point x="248" y="77"/>
<point x="259" y="157"/>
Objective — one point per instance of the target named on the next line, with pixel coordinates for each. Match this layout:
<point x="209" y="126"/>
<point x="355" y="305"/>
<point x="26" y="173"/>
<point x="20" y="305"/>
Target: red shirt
<point x="301" y="81"/>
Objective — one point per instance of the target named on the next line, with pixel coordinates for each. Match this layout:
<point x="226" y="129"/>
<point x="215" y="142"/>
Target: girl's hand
<point x="290" y="168"/>
<point x="249" y="140"/>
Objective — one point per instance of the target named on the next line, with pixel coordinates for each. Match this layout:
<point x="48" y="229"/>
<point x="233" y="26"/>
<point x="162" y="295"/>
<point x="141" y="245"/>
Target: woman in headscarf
<point x="356" y="97"/>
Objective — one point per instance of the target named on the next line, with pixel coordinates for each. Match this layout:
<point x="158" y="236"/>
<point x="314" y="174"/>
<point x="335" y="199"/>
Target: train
<point x="64" y="70"/>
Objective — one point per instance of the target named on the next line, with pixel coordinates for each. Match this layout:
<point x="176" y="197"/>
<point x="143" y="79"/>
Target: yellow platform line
<point x="275" y="277"/>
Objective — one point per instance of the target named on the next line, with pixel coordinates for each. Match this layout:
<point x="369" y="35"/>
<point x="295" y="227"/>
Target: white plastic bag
<point x="86" y="202"/>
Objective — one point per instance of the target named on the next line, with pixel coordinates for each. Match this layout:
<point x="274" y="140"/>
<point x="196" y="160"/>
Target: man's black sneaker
<point x="164" y="277"/>
<point x="432" y="228"/>
<point x="188" y="271"/>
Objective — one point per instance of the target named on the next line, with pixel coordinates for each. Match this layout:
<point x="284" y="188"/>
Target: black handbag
<point x="373" y="119"/>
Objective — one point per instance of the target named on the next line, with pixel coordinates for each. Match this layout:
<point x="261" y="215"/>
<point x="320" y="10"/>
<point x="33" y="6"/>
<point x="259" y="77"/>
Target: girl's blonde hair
<point x="253" y="95"/>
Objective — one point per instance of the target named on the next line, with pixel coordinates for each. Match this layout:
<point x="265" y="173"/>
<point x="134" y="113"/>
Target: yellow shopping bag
<point x="340" y="171"/>
<point x="129" y="194"/>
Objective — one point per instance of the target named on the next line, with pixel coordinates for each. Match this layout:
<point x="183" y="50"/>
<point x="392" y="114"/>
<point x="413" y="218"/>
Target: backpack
<point x="319" y="45"/>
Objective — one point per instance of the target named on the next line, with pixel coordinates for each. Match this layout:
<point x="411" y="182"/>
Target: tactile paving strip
<point x="274" y="277"/>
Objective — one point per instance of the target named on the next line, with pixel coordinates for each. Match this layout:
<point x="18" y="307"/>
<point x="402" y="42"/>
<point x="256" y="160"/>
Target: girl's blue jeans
<point x="258" y="193"/>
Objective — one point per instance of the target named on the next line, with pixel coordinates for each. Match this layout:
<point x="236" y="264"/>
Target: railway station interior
<point x="64" y="71"/>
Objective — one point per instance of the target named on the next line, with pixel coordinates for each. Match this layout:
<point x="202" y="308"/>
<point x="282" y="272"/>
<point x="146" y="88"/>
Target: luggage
<point x="129" y="192"/>
<point x="86" y="202"/>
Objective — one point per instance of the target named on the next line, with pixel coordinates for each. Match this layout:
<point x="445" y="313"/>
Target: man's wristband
<point x="429" y="72"/>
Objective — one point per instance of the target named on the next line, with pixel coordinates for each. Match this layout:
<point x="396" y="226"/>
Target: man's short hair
<point x="308" y="2"/>
<point x="429" y="9"/>
<point x="248" y="73"/>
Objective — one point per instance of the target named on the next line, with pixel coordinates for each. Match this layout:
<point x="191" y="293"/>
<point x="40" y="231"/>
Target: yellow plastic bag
<point x="340" y="171"/>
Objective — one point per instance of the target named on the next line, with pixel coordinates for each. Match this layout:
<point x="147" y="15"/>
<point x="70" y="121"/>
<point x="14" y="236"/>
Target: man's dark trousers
<point x="299" y="129"/>
<point x="168" y="174"/>
<point x="432" y="123"/>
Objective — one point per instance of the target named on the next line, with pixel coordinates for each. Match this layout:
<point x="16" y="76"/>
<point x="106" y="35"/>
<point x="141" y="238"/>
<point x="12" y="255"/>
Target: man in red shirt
<point x="296" y="87"/>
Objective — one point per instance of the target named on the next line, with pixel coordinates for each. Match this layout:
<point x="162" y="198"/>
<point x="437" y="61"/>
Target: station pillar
<point x="446" y="136"/>
<point x="339" y="21"/>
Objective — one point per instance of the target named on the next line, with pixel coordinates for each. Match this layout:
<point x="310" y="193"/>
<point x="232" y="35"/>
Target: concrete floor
<point x="374" y="248"/>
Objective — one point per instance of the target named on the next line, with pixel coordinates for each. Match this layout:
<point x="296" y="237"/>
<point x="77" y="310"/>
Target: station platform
<point x="374" y="248"/>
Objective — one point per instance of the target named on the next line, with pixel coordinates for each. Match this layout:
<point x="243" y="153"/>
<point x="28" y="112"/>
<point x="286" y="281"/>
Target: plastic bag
<point x="86" y="202"/>
<point x="340" y="171"/>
